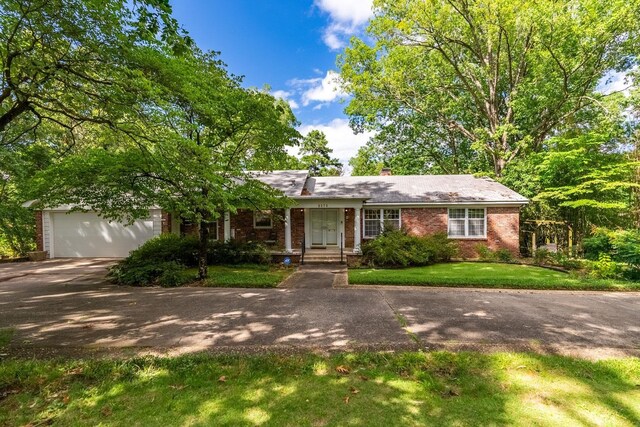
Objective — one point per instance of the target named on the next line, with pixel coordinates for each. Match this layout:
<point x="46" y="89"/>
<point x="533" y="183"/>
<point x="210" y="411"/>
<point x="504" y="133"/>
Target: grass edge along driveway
<point x="244" y="276"/>
<point x="415" y="388"/>
<point x="485" y="275"/>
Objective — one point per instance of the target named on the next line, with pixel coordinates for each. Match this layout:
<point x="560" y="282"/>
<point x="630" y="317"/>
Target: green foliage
<point x="396" y="248"/>
<point x="316" y="155"/>
<point x="626" y="247"/>
<point x="598" y="243"/>
<point x="169" y="248"/>
<point x="201" y="132"/>
<point x="622" y="246"/>
<point x="589" y="179"/>
<point x="235" y="252"/>
<point x="484" y="253"/>
<point x="561" y="259"/>
<point x="504" y="255"/>
<point x="366" y="162"/>
<point x="68" y="62"/>
<point x="161" y="260"/>
<point x="468" y="86"/>
<point x="164" y="260"/>
<point x="604" y="267"/>
<point x="541" y="256"/>
<point x="500" y="255"/>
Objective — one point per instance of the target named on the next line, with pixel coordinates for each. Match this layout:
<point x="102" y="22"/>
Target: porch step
<point x="330" y="258"/>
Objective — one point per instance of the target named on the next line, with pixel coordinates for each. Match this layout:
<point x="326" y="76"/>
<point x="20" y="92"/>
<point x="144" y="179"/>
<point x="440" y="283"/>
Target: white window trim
<point x="381" y="212"/>
<point x="217" y="231"/>
<point x="466" y="223"/>
<point x="263" y="227"/>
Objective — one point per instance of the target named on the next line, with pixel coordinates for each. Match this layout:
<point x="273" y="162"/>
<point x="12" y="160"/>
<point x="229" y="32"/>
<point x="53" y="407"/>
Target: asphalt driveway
<point x="65" y="305"/>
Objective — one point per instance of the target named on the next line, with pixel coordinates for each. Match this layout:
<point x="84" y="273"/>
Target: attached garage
<point x="85" y="234"/>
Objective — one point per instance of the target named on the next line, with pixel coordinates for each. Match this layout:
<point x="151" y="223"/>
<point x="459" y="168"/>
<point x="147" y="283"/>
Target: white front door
<point x="324" y="227"/>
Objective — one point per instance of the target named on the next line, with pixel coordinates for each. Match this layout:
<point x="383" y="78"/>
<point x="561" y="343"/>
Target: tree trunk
<point x="202" y="250"/>
<point x="498" y="165"/>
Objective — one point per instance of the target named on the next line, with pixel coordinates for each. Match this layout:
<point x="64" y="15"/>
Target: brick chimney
<point x="385" y="172"/>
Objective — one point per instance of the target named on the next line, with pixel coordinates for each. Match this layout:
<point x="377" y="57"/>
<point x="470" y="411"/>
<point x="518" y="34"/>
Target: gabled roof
<point x="393" y="189"/>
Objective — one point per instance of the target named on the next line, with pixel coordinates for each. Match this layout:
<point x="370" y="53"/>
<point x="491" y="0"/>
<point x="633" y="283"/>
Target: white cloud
<point x="355" y="12"/>
<point x="326" y="89"/>
<point x="342" y="140"/>
<point x="286" y="96"/>
<point x="347" y="18"/>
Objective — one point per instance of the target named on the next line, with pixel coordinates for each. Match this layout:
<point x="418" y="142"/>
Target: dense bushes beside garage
<point x="397" y="248"/>
<point x="166" y="259"/>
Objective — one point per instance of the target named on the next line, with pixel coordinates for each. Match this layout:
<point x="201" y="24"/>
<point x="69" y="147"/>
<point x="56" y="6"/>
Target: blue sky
<point x="289" y="45"/>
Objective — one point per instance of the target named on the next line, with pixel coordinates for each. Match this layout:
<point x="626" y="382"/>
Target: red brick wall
<point x="242" y="223"/>
<point x="423" y="221"/>
<point x="39" y="231"/>
<point x="349" y="224"/>
<point x="502" y="228"/>
<point x="297" y="228"/>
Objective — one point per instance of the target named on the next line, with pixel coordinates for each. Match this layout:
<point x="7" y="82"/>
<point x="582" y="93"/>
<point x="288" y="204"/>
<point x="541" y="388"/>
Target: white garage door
<point x="80" y="234"/>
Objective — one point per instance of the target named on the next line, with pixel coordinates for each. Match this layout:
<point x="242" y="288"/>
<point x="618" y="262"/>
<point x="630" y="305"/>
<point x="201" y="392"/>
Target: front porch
<point x="321" y="227"/>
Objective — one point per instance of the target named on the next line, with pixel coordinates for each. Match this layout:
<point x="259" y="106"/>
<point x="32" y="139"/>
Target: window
<point x="262" y="219"/>
<point x="213" y="230"/>
<point x="467" y="222"/>
<point x="376" y="220"/>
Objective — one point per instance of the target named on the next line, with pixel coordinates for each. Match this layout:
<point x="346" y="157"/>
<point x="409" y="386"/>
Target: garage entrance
<point x="85" y="234"/>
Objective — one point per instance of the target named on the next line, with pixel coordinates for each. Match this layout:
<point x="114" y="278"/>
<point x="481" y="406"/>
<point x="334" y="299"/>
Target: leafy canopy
<point x="497" y="76"/>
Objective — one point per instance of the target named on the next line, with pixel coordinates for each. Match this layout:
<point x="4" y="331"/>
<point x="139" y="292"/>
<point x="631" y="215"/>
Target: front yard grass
<point x="244" y="276"/>
<point x="436" y="388"/>
<point x="484" y="275"/>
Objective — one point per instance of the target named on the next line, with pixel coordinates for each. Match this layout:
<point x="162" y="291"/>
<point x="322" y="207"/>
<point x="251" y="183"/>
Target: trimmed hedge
<point x="396" y="248"/>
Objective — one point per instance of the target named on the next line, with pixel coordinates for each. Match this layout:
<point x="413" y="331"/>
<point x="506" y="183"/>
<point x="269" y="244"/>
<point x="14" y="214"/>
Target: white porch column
<point x="227" y="226"/>
<point x="357" y="233"/>
<point x="287" y="230"/>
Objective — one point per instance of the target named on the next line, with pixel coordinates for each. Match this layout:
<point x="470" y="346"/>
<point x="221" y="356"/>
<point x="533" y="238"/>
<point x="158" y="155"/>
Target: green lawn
<point x="436" y="388"/>
<point x="245" y="276"/>
<point x="487" y="275"/>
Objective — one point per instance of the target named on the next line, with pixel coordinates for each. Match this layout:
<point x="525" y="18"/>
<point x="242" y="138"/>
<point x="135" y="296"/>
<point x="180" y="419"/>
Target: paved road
<point x="67" y="305"/>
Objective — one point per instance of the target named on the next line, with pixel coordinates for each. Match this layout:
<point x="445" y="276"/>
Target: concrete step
<point x="322" y="259"/>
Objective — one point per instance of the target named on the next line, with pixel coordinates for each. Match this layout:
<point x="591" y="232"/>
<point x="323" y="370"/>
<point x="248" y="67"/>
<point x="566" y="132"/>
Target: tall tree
<point x="68" y="61"/>
<point x="499" y="75"/>
<point x="202" y="129"/>
<point x="316" y="155"/>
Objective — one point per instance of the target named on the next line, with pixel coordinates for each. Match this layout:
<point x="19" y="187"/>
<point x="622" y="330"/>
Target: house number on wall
<point x="323" y="205"/>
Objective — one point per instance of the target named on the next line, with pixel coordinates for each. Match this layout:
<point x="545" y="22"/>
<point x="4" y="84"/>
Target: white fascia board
<point x="324" y="203"/>
<point x="66" y="208"/>
<point x="449" y="204"/>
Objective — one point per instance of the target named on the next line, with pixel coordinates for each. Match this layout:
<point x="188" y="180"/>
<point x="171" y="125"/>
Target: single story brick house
<point x="328" y="212"/>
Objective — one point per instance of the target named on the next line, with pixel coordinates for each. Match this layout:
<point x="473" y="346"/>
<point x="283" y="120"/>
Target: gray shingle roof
<point x="414" y="189"/>
<point x="290" y="182"/>
<point x="392" y="189"/>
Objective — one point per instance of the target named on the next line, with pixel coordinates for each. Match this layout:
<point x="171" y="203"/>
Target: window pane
<point x="456" y="213"/>
<point x="391" y="214"/>
<point x="476" y="227"/>
<point x="372" y="214"/>
<point x="371" y="227"/>
<point x="456" y="227"/>
<point x="476" y="213"/>
<point x="263" y="218"/>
